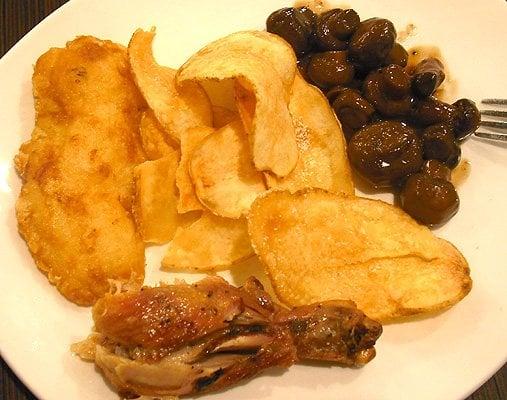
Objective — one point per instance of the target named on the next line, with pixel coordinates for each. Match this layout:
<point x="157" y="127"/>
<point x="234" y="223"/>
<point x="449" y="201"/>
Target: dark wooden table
<point x="17" y="17"/>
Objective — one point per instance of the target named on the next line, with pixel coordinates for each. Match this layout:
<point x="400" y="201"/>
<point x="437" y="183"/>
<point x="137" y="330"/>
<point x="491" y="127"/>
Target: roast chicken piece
<point x="188" y="339"/>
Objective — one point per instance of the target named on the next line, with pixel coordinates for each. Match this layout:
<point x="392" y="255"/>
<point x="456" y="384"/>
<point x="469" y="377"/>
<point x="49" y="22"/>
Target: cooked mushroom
<point x="439" y="144"/>
<point x="468" y="118"/>
<point x="430" y="200"/>
<point x="388" y="90"/>
<point x="352" y="110"/>
<point x="333" y="28"/>
<point x="431" y="111"/>
<point x="428" y="75"/>
<point x="436" y="169"/>
<point x="398" y="55"/>
<point x="295" y="25"/>
<point x="384" y="152"/>
<point x="371" y="42"/>
<point x="330" y="68"/>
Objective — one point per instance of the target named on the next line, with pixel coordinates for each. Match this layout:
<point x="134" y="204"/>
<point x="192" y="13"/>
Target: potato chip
<point x="271" y="48"/>
<point x="221" y="93"/>
<point x="208" y="244"/>
<point x="155" y="200"/>
<point x="264" y="69"/>
<point x="188" y="201"/>
<point x="320" y="246"/>
<point x="323" y="161"/>
<point x="176" y="109"/>
<point x="223" y="116"/>
<point x="156" y="144"/>
<point x="224" y="178"/>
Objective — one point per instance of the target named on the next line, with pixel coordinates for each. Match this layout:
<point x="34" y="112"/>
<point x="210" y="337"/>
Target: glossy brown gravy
<point x="461" y="173"/>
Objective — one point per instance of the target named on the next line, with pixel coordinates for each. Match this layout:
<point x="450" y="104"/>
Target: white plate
<point x="444" y="357"/>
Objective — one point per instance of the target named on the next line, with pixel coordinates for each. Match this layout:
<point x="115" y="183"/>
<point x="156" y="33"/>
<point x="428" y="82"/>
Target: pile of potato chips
<point x="244" y="154"/>
<point x="234" y="121"/>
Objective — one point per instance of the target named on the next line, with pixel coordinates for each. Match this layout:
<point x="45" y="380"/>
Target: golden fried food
<point x="156" y="198"/>
<point x="176" y="109"/>
<point x="187" y="339"/>
<point x="222" y="116"/>
<point x="323" y="161"/>
<point x="220" y="93"/>
<point x="190" y="139"/>
<point x="156" y="143"/>
<point x="208" y="244"/>
<point x="263" y="67"/>
<point x="224" y="177"/>
<point x="77" y="170"/>
<point x="319" y="246"/>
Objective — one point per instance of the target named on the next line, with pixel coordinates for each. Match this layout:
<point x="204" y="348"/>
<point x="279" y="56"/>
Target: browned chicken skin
<point x="187" y="339"/>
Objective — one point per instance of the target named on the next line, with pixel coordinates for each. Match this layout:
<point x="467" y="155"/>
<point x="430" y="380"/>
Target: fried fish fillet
<point x="74" y="210"/>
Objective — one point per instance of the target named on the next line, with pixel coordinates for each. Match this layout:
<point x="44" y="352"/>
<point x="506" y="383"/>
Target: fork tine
<point x="499" y="125"/>
<point x="494" y="124"/>
<point x="495" y="101"/>
<point x="494" y="113"/>
<point x="494" y="136"/>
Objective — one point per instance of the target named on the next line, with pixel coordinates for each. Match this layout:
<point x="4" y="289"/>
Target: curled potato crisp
<point x="222" y="116"/>
<point x="270" y="48"/>
<point x="208" y="244"/>
<point x="224" y="177"/>
<point x="187" y="200"/>
<point x="176" y="109"/>
<point x="264" y="68"/>
<point x="320" y="246"/>
<point x="220" y="93"/>
<point x="323" y="161"/>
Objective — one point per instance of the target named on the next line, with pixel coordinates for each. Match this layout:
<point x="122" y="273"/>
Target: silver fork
<point x="499" y="126"/>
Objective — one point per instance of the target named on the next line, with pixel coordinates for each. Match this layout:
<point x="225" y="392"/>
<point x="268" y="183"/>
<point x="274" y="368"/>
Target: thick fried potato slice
<point x="188" y="201"/>
<point x="156" y="144"/>
<point x="176" y="109"/>
<point x="323" y="161"/>
<point x="256" y="61"/>
<point x="208" y="244"/>
<point x="320" y="246"/>
<point x="224" y="177"/>
<point x="155" y="199"/>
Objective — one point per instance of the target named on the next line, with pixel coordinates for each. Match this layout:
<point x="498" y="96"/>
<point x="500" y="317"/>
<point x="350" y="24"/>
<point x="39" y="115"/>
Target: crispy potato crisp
<point x="188" y="201"/>
<point x="176" y="109"/>
<point x="224" y="177"/>
<point x="320" y="246"/>
<point x="264" y="68"/>
<point x="156" y="143"/>
<point x="208" y="244"/>
<point x="323" y="161"/>
<point x="155" y="202"/>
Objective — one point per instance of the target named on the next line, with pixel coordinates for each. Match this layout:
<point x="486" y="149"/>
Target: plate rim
<point x="8" y="358"/>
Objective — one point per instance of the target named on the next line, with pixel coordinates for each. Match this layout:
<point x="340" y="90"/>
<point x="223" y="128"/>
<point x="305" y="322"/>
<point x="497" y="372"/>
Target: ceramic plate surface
<point x="442" y="357"/>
